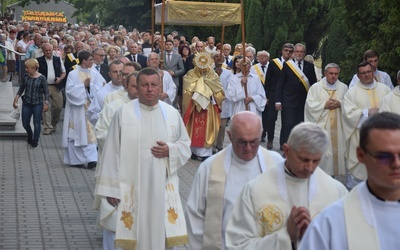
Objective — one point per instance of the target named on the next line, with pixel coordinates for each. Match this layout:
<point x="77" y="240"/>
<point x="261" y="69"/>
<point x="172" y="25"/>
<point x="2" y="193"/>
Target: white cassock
<point x="237" y="173"/>
<point x="331" y="120"/>
<point x="379" y="76"/>
<point x="369" y="223"/>
<point x="226" y="109"/>
<point x="261" y="212"/>
<point x="78" y="139"/>
<point x="150" y="214"/>
<point x="115" y="96"/>
<point x="97" y="103"/>
<point x="169" y="87"/>
<point x="355" y="107"/>
<point x="391" y="102"/>
<point x="236" y="93"/>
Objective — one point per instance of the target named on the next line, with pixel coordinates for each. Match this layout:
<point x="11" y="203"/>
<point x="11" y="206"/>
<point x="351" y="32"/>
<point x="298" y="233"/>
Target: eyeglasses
<point x="125" y="74"/>
<point x="383" y="158"/>
<point x="101" y="55"/>
<point x="288" y="50"/>
<point x="252" y="143"/>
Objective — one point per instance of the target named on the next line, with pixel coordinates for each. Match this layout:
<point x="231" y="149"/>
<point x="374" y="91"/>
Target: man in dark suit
<point x="272" y="78"/>
<point x="291" y="93"/>
<point x="98" y="63"/>
<point x="53" y="69"/>
<point x="134" y="55"/>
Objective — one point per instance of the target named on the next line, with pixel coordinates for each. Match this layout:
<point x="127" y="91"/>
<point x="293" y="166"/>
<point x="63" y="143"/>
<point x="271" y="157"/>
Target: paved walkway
<point x="47" y="205"/>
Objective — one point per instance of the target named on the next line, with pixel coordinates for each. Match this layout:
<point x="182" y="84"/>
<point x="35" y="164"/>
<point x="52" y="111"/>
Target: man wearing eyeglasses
<point x="115" y="84"/>
<point x="274" y="210"/>
<point x="271" y="80"/>
<point x="220" y="179"/>
<point x="367" y="217"/>
<point x="98" y="63"/>
<point x="360" y="102"/>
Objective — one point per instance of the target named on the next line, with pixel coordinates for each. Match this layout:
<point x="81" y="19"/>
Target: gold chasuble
<point x="202" y="99"/>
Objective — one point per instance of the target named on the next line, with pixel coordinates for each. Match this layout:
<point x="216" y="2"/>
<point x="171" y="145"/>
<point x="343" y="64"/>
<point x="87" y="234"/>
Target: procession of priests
<point x="243" y="195"/>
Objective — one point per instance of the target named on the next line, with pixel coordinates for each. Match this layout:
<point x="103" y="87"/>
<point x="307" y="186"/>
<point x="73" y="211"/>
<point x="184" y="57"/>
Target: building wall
<point x="67" y="8"/>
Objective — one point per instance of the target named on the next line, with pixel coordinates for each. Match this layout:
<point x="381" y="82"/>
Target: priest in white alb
<point x="391" y="102"/>
<point x="78" y="139"/>
<point x="246" y="91"/>
<point x="146" y="145"/>
<point x="220" y="179"/>
<point x="360" y="102"/>
<point x="323" y="107"/>
<point x="97" y="104"/>
<point x="367" y="218"/>
<point x="274" y="210"/>
<point x="168" y="92"/>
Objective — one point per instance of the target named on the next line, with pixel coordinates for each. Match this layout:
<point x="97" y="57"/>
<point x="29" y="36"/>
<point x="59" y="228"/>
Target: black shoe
<point x="34" y="144"/>
<point x="204" y="158"/>
<point x="262" y="139"/>
<point x="77" y="166"/>
<point x="196" y="157"/>
<point x="29" y="140"/>
<point x="91" y="165"/>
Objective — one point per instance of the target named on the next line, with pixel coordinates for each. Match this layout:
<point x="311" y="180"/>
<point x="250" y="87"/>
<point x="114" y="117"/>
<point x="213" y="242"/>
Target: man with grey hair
<point x="226" y="50"/>
<point x="210" y="48"/>
<point x="323" y="107"/>
<point x="291" y="92"/>
<point x="271" y="81"/>
<point x="250" y="53"/>
<point x="220" y="179"/>
<point x="274" y="210"/>
<point x="391" y="102"/>
<point x="260" y="69"/>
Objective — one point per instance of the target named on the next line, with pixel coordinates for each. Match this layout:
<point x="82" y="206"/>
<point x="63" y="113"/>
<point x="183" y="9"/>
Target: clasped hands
<point x="161" y="150"/>
<point x="332" y="104"/>
<point x="297" y="223"/>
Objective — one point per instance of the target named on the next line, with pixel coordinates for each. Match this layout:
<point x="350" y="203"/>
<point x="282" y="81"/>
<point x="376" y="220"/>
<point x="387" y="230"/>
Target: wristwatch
<point x="46" y="102"/>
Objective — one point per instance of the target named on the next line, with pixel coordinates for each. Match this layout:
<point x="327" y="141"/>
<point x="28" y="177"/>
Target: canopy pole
<point x="244" y="60"/>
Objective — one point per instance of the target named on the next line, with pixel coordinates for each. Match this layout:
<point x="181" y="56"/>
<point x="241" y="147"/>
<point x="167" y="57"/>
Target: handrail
<point x="16" y="52"/>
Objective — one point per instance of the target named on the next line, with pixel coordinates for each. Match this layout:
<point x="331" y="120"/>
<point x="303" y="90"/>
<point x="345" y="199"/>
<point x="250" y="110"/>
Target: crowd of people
<point x="138" y="106"/>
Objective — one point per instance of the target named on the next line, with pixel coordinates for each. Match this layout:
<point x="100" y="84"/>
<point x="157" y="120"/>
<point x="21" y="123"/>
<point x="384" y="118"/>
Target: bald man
<point x="220" y="179"/>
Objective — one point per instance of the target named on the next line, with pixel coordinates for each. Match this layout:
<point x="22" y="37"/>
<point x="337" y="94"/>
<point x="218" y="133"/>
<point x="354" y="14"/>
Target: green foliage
<point x="355" y="30"/>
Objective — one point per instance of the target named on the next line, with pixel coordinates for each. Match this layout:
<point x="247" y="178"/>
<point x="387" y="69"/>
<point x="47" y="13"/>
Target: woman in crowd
<point x="113" y="52"/>
<point x="34" y="101"/>
<point x="184" y="51"/>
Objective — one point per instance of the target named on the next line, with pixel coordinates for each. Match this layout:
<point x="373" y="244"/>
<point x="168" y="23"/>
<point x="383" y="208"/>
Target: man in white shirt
<point x="246" y="91"/>
<point x="168" y="90"/>
<point x="367" y="218"/>
<point x="260" y="69"/>
<point x="274" y="210"/>
<point x="372" y="57"/>
<point x="220" y="179"/>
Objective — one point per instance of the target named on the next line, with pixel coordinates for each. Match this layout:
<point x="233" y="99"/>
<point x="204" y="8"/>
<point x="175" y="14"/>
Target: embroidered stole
<point x="360" y="220"/>
<point x="212" y="238"/>
<point x="333" y="122"/>
<point x="72" y="58"/>
<point x="127" y="221"/>
<point x="299" y="73"/>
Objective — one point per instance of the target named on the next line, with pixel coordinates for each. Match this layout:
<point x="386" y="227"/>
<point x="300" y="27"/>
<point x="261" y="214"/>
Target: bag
<point x="11" y="66"/>
<point x="15" y="114"/>
<point x="1" y="56"/>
